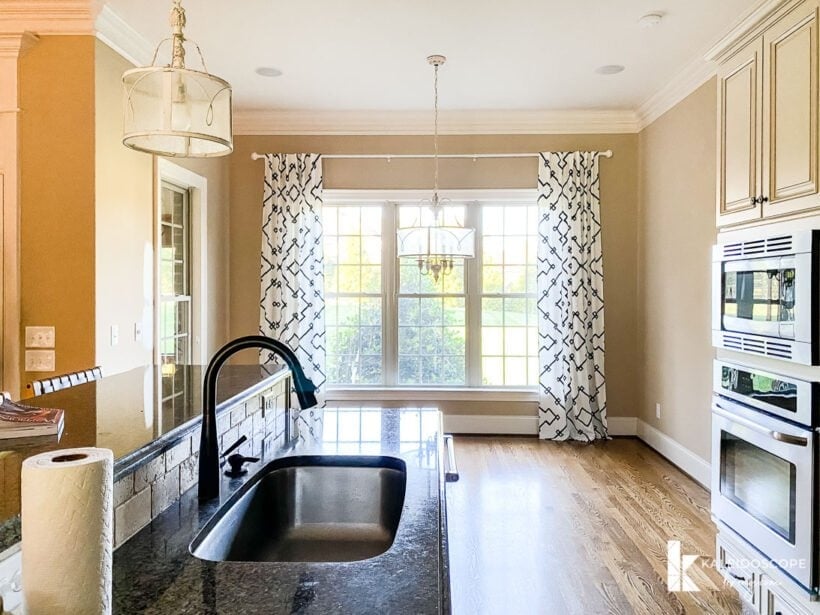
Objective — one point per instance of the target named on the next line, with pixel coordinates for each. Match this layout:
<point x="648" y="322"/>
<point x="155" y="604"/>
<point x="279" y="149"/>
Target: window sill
<point x="428" y="394"/>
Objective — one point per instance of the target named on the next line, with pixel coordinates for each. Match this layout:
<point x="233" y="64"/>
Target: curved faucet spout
<point x="209" y="444"/>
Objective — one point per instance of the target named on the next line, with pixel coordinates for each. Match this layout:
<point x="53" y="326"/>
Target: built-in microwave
<point x="765" y="296"/>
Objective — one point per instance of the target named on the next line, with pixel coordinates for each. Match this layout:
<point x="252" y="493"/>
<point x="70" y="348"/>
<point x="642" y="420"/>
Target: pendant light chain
<point x="435" y="140"/>
<point x="435" y="247"/>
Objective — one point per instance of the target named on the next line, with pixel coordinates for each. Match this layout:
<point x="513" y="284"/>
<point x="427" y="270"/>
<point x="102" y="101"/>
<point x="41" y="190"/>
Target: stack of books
<point x="21" y="421"/>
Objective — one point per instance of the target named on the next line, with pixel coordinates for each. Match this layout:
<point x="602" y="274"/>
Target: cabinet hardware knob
<point x="764" y="199"/>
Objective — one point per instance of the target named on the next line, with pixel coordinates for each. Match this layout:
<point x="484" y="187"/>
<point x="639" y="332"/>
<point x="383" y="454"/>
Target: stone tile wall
<point x="142" y="495"/>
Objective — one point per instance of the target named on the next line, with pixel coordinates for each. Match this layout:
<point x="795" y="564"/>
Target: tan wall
<point x="677" y="189"/>
<point x="124" y="238"/>
<point x="57" y="196"/>
<point x="619" y="193"/>
<point x="216" y="171"/>
<point x="125" y="231"/>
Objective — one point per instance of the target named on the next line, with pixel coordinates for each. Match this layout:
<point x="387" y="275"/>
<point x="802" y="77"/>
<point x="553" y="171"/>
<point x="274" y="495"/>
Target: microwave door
<point x="758" y="296"/>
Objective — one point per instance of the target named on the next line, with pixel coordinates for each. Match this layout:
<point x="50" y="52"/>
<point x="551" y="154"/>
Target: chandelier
<point x="436" y="247"/>
<point x="173" y="110"/>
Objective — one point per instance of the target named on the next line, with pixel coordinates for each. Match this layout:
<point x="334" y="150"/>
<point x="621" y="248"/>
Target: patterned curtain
<point x="293" y="306"/>
<point x="572" y="392"/>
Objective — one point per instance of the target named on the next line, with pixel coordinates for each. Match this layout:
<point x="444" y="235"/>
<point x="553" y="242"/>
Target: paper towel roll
<point x="67" y="525"/>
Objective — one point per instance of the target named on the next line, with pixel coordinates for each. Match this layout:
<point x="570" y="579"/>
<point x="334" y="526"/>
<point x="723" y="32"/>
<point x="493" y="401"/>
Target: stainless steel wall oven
<point x="764" y="466"/>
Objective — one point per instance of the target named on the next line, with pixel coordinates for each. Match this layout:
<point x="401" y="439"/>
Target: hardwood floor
<point x="546" y="527"/>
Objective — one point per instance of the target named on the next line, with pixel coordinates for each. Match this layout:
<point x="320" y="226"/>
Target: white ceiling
<point x="511" y="54"/>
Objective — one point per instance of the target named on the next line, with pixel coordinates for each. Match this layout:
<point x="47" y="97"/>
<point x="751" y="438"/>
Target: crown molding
<point x="281" y="122"/>
<point x="49" y="16"/>
<point x="694" y="75"/>
<point x="118" y="35"/>
<point x="750" y="24"/>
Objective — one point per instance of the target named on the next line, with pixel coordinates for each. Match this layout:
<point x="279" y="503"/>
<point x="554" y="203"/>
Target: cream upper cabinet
<point x="739" y="136"/>
<point x="768" y="122"/>
<point x="790" y="153"/>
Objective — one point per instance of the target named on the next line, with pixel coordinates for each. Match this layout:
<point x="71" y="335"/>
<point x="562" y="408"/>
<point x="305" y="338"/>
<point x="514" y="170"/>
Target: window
<point x="390" y="325"/>
<point x="432" y="321"/>
<point x="175" y="277"/>
<point x="353" y="293"/>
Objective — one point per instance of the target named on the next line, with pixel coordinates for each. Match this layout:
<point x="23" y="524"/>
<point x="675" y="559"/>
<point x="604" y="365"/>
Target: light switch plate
<point x="40" y="337"/>
<point x="40" y="360"/>
<point x="115" y="335"/>
<point x="137" y="331"/>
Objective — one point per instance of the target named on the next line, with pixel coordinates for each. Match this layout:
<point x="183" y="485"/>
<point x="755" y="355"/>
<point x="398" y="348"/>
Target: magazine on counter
<point x="20" y="421"/>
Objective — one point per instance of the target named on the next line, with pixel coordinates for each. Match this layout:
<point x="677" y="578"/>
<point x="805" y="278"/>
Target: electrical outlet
<point x="40" y="360"/>
<point x="657" y="411"/>
<point x="115" y="335"/>
<point x="40" y="337"/>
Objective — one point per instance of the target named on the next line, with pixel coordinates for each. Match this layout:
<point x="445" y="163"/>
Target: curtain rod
<point x="388" y="157"/>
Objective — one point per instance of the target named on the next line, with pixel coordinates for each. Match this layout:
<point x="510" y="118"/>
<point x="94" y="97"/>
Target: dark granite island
<point x="150" y="420"/>
<point x="154" y="571"/>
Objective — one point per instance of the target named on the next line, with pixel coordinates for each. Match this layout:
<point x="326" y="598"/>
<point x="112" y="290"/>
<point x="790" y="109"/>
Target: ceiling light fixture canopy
<point x="173" y="110"/>
<point x="436" y="247"/>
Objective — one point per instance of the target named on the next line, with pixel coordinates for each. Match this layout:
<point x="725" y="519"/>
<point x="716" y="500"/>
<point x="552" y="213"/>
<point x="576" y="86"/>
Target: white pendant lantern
<point x="436" y="247"/>
<point x="176" y="111"/>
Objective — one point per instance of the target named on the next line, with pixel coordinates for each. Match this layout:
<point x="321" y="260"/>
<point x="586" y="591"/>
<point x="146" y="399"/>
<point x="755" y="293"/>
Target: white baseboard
<point x="523" y="425"/>
<point x="694" y="465"/>
<point x="491" y="424"/>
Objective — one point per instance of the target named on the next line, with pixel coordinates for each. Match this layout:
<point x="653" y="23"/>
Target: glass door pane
<point x="759" y="482"/>
<point x="174" y="278"/>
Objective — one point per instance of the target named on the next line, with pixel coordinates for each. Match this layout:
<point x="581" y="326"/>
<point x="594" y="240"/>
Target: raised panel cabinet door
<point x="790" y="156"/>
<point x="739" y="138"/>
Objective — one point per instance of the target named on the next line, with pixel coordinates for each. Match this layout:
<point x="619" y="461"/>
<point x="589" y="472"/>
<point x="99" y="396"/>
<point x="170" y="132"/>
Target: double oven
<point x="766" y="302"/>
<point x="764" y="466"/>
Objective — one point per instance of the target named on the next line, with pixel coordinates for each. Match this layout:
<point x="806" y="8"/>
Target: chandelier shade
<point x="424" y="241"/>
<point x="176" y="111"/>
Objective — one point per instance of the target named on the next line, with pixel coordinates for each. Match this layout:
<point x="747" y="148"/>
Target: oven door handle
<point x="775" y="435"/>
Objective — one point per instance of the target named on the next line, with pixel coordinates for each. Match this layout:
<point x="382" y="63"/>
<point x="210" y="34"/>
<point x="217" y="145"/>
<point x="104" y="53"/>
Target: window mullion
<point x="390" y="318"/>
<point x="473" y="298"/>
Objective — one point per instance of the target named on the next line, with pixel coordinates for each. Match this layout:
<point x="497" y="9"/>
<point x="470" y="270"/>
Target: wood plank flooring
<point x="546" y="527"/>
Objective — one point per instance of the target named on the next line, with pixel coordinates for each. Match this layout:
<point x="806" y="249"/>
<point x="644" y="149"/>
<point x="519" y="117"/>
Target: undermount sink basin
<point x="309" y="509"/>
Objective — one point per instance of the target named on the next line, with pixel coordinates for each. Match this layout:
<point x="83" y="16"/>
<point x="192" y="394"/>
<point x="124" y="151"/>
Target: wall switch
<point x="137" y="331"/>
<point x="115" y="335"/>
<point x="40" y="360"/>
<point x="657" y="411"/>
<point x="40" y="337"/>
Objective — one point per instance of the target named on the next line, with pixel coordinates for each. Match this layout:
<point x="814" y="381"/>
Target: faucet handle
<point x="234" y="446"/>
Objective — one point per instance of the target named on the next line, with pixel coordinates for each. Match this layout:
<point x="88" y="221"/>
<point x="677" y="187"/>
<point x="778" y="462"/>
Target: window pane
<point x="508" y="334"/>
<point x="432" y="341"/>
<point x="353" y="286"/>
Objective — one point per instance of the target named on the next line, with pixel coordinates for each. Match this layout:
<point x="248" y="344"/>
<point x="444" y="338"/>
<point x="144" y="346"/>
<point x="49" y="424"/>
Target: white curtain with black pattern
<point x="570" y="286"/>
<point x="292" y="308"/>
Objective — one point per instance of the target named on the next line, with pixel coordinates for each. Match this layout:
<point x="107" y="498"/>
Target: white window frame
<point x="472" y="391"/>
<point x="197" y="187"/>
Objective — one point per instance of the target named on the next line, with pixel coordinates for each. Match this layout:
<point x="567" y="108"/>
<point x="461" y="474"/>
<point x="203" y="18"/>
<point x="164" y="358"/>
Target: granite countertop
<point x="136" y="414"/>
<point x="155" y="573"/>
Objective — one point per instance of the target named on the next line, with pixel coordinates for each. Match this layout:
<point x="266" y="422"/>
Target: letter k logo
<point x="677" y="580"/>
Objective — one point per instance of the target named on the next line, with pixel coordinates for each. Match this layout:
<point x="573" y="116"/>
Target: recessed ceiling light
<point x="268" y="71"/>
<point x="650" y="20"/>
<point x="609" y="69"/>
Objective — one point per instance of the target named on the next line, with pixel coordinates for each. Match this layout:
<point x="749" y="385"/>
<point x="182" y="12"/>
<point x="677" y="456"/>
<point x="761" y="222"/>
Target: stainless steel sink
<point x="309" y="509"/>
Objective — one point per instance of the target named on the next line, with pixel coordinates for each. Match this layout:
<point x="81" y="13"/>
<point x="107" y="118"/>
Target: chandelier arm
<point x="157" y="48"/>
<point x="201" y="57"/>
